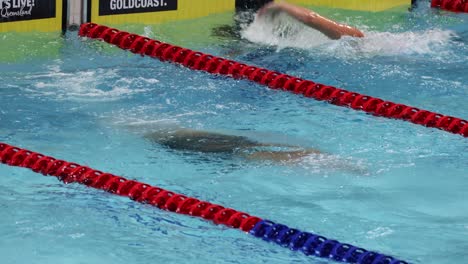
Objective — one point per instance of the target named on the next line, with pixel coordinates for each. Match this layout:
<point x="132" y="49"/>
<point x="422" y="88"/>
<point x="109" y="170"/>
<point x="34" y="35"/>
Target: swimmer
<point x="229" y="145"/>
<point x="328" y="27"/>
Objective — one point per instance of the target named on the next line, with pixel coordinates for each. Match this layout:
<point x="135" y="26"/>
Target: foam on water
<point x="283" y="31"/>
<point x="86" y="85"/>
<point x="432" y="41"/>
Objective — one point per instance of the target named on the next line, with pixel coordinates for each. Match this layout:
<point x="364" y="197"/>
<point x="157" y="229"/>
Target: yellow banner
<point x="154" y="11"/>
<point x="46" y="15"/>
<point x="157" y="11"/>
<point x="361" y="5"/>
<point x="30" y="15"/>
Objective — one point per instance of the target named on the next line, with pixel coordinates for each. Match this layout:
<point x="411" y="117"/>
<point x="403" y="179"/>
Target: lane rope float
<point x="216" y="65"/>
<point x="294" y="239"/>
<point x="451" y="5"/>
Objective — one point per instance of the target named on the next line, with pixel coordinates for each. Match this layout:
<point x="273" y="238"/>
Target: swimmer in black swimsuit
<point x="216" y="143"/>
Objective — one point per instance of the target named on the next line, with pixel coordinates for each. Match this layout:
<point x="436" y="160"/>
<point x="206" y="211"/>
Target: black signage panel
<point x="117" y="7"/>
<point x="18" y="10"/>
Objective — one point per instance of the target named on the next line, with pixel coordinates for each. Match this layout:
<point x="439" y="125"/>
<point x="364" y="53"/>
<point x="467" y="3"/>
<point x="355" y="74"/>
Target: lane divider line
<point x="308" y="243"/>
<point x="216" y="65"/>
<point x="451" y="5"/>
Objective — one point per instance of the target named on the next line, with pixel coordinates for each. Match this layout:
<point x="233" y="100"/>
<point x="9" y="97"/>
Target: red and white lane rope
<point x="275" y="80"/>
<point x="308" y="243"/>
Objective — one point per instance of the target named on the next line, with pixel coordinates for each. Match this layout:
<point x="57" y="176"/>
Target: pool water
<point x="385" y="185"/>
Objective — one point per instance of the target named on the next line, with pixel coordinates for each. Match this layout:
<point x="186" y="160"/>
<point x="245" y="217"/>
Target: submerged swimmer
<point x="229" y="145"/>
<point x="232" y="146"/>
<point x="328" y="27"/>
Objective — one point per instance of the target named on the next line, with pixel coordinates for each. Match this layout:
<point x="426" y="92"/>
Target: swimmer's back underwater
<point x="229" y="145"/>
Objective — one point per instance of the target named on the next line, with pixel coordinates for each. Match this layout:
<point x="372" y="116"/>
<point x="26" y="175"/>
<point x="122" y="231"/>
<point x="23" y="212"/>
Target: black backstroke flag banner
<point x="19" y="10"/>
<point x="115" y="7"/>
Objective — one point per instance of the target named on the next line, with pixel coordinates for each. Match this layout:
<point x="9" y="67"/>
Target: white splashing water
<point x="283" y="31"/>
<point x="85" y="85"/>
<point x="428" y="42"/>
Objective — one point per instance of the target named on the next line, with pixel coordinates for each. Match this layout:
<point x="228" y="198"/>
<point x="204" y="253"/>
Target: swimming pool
<point x="92" y="103"/>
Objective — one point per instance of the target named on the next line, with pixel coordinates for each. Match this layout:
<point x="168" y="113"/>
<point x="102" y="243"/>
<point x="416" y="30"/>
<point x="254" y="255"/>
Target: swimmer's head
<point x="250" y="5"/>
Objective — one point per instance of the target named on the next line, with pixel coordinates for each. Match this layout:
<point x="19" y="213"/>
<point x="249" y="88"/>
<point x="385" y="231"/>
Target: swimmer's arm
<point x="328" y="27"/>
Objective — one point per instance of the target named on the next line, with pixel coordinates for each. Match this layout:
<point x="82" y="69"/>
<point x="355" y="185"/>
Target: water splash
<point x="433" y="42"/>
<point x="88" y="85"/>
<point x="283" y="31"/>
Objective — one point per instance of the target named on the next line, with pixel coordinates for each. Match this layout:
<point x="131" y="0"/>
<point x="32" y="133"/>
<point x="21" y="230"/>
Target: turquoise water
<point x="385" y="185"/>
